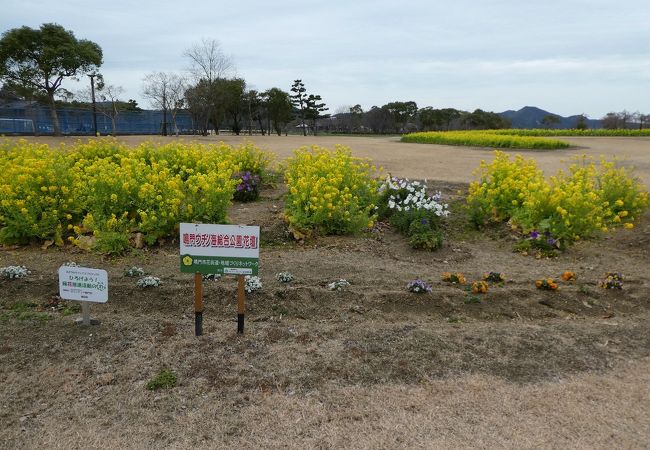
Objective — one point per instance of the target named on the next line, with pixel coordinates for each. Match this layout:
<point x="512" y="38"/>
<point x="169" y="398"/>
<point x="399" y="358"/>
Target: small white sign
<point x="83" y="284"/>
<point x="234" y="271"/>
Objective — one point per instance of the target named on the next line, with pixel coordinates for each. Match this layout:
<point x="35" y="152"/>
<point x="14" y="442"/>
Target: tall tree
<point x="208" y="61"/>
<point x="356" y="115"/>
<point x="484" y="120"/>
<point x="550" y="120"/>
<point x="41" y="59"/>
<point x="232" y="93"/>
<point x="208" y="65"/>
<point x="402" y="113"/>
<point x="610" y="121"/>
<point x="379" y="120"/>
<point x="309" y="107"/>
<point x="166" y="92"/>
<point x="280" y="110"/>
<point x="109" y="103"/>
<point x="315" y="106"/>
<point x="299" y="101"/>
<point x="581" y="122"/>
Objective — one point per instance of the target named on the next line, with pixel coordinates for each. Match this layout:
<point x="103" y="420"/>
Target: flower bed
<point x="481" y="138"/>
<point x="569" y="206"/>
<point x="330" y="192"/>
<point x="101" y="193"/>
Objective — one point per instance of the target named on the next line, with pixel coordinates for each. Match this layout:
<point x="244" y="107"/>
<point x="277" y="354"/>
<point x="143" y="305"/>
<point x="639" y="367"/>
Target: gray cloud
<point x="568" y="56"/>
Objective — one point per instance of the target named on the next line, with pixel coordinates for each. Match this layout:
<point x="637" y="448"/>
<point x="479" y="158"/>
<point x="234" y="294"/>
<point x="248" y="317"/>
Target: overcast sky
<point x="568" y="56"/>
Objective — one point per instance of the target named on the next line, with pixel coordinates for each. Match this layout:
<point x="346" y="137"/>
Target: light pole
<point x="92" y="92"/>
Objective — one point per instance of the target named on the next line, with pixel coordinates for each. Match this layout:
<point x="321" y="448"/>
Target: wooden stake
<point x="198" y="304"/>
<point x="241" y="305"/>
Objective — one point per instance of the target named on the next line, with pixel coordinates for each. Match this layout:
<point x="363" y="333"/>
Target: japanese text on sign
<point x="245" y="241"/>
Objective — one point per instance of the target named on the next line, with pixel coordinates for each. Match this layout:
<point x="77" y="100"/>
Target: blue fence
<point x="74" y="121"/>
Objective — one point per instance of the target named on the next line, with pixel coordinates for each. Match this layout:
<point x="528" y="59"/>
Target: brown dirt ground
<point x="370" y="367"/>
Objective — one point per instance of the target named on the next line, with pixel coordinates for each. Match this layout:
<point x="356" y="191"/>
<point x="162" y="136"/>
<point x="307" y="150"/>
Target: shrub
<point x="165" y="379"/>
<point x="251" y="159"/>
<point x="612" y="280"/>
<point x="338" y="285"/>
<point x="494" y="277"/>
<point x="570" y="206"/>
<point x="547" y="284"/>
<point x="134" y="272"/>
<point x="109" y="190"/>
<point x="571" y="132"/>
<point x="37" y="201"/>
<point x="419" y="286"/>
<point x="148" y="281"/>
<point x="330" y="192"/>
<point x="479" y="287"/>
<point x="412" y="211"/>
<point x="502" y="186"/>
<point x="454" y="278"/>
<point x="252" y="283"/>
<point x="284" y="277"/>
<point x="248" y="188"/>
<point x="14" y="272"/>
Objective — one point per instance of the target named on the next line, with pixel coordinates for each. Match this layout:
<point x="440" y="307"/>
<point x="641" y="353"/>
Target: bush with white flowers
<point x="404" y="195"/>
<point x="284" y="277"/>
<point x="134" y="272"/>
<point x="252" y="283"/>
<point x="13" y="272"/>
<point x="413" y="212"/>
<point x="338" y="285"/>
<point x="148" y="281"/>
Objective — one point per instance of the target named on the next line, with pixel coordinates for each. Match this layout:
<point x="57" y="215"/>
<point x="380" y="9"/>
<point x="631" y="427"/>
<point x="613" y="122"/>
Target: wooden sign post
<point x="223" y="250"/>
<point x="241" y="304"/>
<point x="198" y="304"/>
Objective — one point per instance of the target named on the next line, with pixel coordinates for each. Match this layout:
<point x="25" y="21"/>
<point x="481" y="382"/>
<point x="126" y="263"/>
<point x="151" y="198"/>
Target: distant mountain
<point x="531" y="117"/>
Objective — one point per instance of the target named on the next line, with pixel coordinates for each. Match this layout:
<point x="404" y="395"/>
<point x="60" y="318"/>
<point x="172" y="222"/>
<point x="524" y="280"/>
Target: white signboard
<point x="83" y="284"/>
<point x="219" y="249"/>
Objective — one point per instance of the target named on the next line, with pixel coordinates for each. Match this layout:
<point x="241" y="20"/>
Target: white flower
<point x="284" y="277"/>
<point x="148" y="281"/>
<point x="134" y="272"/>
<point x="338" y="285"/>
<point x="252" y="283"/>
<point x="13" y="272"/>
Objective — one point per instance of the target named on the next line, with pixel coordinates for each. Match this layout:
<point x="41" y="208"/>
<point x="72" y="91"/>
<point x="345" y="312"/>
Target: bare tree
<point x="109" y="103"/>
<point x="208" y="61"/>
<point x="610" y="121"/>
<point x="110" y="107"/>
<point x="166" y="91"/>
<point x="624" y="117"/>
<point x="208" y="65"/>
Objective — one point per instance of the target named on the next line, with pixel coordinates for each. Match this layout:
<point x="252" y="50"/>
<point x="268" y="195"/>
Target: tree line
<point x="34" y="63"/>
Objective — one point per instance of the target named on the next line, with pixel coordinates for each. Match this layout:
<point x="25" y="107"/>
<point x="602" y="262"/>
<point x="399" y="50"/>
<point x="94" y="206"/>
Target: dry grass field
<point x="370" y="367"/>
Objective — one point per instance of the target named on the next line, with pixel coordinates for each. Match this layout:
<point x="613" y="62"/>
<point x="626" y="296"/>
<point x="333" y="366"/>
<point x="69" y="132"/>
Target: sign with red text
<point x="83" y="284"/>
<point x="219" y="249"/>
